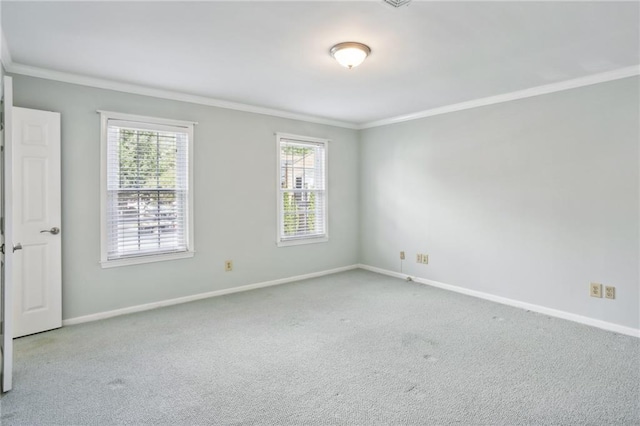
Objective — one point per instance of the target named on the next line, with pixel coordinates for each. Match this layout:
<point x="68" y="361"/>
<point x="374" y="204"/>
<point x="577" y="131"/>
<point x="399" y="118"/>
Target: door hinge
<point x="1" y="120"/>
<point x="2" y="248"/>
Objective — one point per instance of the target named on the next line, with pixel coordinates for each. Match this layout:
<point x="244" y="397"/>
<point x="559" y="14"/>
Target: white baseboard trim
<point x="185" y="299"/>
<point x="609" y="326"/>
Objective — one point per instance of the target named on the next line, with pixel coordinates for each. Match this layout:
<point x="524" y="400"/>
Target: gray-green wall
<point x="530" y="200"/>
<point x="235" y="200"/>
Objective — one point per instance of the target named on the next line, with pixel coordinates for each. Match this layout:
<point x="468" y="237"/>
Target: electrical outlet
<point x="228" y="266"/>
<point x="418" y="258"/>
<point x="401" y="255"/>
<point x="595" y="290"/>
<point x="609" y="292"/>
<point x="425" y="259"/>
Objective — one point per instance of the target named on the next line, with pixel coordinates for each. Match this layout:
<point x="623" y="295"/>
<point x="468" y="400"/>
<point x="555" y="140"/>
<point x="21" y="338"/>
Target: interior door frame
<point x="7" y="222"/>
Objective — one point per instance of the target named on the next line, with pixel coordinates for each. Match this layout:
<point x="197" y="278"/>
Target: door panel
<point x="34" y="277"/>
<point x="36" y="210"/>
<point x="34" y="187"/>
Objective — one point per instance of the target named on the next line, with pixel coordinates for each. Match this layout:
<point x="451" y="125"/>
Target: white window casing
<point x="302" y="164"/>
<point x="146" y="189"/>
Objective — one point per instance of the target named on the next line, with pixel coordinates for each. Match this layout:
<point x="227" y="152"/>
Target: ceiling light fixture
<point x="397" y="3"/>
<point x="350" y="54"/>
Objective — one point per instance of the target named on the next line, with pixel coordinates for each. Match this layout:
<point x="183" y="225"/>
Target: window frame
<point x="151" y="123"/>
<point x="312" y="239"/>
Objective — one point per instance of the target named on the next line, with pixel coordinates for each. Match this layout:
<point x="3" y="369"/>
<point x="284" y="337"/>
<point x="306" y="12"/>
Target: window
<point x="302" y="190"/>
<point x="147" y="198"/>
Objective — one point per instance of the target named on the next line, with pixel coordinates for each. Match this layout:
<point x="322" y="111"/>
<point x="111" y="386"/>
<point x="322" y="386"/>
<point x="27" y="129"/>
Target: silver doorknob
<point x="53" y="230"/>
<point x="17" y="247"/>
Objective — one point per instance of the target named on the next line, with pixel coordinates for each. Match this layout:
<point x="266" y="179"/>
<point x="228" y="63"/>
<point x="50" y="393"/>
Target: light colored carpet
<point x="354" y="348"/>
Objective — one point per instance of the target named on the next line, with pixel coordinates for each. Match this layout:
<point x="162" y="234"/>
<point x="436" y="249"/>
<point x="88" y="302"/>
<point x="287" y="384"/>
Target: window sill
<point x="301" y="241"/>
<point x="146" y="259"/>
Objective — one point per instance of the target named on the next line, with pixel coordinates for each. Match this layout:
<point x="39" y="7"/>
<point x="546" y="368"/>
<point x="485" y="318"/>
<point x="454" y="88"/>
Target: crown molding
<point x="100" y="83"/>
<point x="512" y="96"/>
<point x="5" y="54"/>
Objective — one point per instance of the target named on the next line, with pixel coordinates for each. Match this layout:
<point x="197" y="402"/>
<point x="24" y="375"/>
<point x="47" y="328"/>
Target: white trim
<point x="311" y="239"/>
<point x="7" y="291"/>
<point x="510" y="302"/>
<point x="481" y="295"/>
<point x="145" y="119"/>
<point x="138" y="260"/>
<point x="100" y="83"/>
<point x="300" y="138"/>
<point x="186" y="299"/>
<point x="512" y="96"/>
<point x="105" y="116"/>
<point x="104" y="123"/>
<point x="393" y="274"/>
<point x="5" y="53"/>
<point x="302" y="241"/>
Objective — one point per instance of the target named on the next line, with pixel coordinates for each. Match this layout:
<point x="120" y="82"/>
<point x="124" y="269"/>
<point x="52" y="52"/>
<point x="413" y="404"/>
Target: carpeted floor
<point x="354" y="348"/>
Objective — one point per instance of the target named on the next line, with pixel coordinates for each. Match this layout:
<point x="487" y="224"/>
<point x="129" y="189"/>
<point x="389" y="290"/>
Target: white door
<point x="7" y="263"/>
<point x="36" y="208"/>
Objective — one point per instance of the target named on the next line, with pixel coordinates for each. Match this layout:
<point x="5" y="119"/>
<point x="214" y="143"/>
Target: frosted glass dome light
<point x="350" y="54"/>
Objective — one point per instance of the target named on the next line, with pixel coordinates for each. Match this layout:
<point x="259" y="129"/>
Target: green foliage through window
<point x="299" y="213"/>
<point x="147" y="159"/>
<point x="302" y="188"/>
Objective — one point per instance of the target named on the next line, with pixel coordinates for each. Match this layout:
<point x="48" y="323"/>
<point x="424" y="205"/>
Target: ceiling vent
<point x="397" y="3"/>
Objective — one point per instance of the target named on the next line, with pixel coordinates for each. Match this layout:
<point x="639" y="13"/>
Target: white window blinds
<point x="302" y="195"/>
<point x="147" y="189"/>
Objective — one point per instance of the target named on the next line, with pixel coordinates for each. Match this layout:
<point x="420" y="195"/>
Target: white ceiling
<point x="276" y="54"/>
